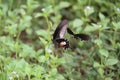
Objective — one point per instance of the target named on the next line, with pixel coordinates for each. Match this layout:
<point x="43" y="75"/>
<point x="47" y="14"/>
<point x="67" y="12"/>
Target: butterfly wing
<point x="81" y="36"/>
<point x="84" y="37"/>
<point x="70" y="31"/>
<point x="60" y="30"/>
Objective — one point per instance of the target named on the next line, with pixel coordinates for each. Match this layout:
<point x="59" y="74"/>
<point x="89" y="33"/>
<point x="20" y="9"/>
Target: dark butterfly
<point x="58" y="36"/>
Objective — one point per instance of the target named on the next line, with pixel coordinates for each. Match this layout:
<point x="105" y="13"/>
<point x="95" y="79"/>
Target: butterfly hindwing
<point x="69" y="31"/>
<point x="84" y="37"/>
<point x="81" y="36"/>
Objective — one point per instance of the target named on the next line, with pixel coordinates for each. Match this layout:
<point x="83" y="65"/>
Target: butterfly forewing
<point x="60" y="30"/>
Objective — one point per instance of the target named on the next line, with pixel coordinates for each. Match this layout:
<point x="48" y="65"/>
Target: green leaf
<point x="53" y="71"/>
<point x="77" y="23"/>
<point x="43" y="33"/>
<point x="110" y="62"/>
<point x="24" y="23"/>
<point x="104" y="52"/>
<point x="94" y="27"/>
<point x="88" y="10"/>
<point x="108" y="78"/>
<point x="98" y="41"/>
<point x="43" y="40"/>
<point x="37" y="68"/>
<point x="27" y="51"/>
<point x="102" y="17"/>
<point x="64" y="4"/>
<point x="116" y="25"/>
<point x="96" y="64"/>
<point x="37" y="15"/>
<point x="101" y="71"/>
<point x="104" y="21"/>
<point x="42" y="59"/>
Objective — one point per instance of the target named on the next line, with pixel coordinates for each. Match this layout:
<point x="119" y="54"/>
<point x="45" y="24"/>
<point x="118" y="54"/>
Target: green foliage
<point x="27" y="51"/>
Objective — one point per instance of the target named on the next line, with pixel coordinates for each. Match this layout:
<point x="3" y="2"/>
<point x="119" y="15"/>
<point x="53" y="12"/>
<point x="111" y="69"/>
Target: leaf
<point x="42" y="59"/>
<point x="88" y="10"/>
<point x="25" y="23"/>
<point x="77" y="23"/>
<point x="104" y="20"/>
<point x="111" y="62"/>
<point x="44" y="34"/>
<point x="116" y="25"/>
<point x="102" y="17"/>
<point x="27" y="51"/>
<point x="37" y="68"/>
<point x="96" y="64"/>
<point x="43" y="40"/>
<point x="108" y="78"/>
<point x="94" y="27"/>
<point x="53" y="71"/>
<point x="104" y="52"/>
<point x="64" y="4"/>
<point x="98" y="41"/>
<point x="37" y="15"/>
<point x="101" y="71"/>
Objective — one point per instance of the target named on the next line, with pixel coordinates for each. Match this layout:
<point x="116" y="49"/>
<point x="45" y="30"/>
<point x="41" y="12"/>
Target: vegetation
<point x="27" y="51"/>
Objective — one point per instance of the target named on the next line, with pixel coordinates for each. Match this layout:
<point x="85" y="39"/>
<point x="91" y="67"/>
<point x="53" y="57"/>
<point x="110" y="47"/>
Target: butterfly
<point x="58" y="36"/>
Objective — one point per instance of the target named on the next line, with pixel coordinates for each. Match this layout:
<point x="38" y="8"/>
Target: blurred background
<point x="28" y="53"/>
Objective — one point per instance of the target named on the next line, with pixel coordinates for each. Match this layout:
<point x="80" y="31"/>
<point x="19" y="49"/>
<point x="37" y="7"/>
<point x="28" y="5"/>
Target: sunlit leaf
<point x="101" y="71"/>
<point x="110" y="62"/>
<point x="77" y="23"/>
<point x="64" y="4"/>
<point x="102" y="17"/>
<point x="42" y="59"/>
<point x="88" y="10"/>
<point x="104" y="52"/>
<point x="96" y="64"/>
<point x="43" y="34"/>
<point x="43" y="40"/>
<point x="93" y="27"/>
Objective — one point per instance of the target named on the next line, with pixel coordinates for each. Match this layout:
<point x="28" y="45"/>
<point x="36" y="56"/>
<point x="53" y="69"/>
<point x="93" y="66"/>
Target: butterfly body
<point x="63" y="43"/>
